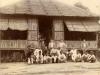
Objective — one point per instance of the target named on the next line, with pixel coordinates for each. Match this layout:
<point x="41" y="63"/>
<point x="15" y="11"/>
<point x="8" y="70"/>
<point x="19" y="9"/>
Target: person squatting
<point x="57" y="53"/>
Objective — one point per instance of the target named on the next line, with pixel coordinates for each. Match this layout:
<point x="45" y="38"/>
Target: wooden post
<point x="0" y="56"/>
<point x="97" y="39"/>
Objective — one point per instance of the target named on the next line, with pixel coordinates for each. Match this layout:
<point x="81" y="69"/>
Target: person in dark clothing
<point x="29" y="52"/>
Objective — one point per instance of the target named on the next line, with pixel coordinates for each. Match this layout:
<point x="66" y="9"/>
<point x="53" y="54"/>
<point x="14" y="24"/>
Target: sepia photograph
<point x="49" y="37"/>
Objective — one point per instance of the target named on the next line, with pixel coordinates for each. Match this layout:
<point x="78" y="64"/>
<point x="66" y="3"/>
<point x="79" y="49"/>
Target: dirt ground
<point x="68" y="68"/>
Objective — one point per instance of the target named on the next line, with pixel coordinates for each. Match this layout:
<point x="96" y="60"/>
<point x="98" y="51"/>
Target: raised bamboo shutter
<point x="58" y="30"/>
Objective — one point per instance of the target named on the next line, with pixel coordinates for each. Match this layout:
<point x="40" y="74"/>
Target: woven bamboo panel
<point x="32" y="35"/>
<point x="3" y="24"/>
<point x="33" y="24"/>
<point x="91" y="26"/>
<point x="58" y="25"/>
<point x="18" y="24"/>
<point x="13" y="44"/>
<point x="59" y="35"/>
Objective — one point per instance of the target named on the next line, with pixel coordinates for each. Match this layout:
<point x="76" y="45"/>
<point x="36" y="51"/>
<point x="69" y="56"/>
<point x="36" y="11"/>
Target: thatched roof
<point x="43" y="7"/>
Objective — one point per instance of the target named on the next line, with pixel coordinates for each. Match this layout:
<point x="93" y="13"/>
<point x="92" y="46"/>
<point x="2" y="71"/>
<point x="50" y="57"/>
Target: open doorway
<point x="45" y="29"/>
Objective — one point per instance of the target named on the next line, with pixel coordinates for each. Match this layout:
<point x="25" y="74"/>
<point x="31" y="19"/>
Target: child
<point x="61" y="57"/>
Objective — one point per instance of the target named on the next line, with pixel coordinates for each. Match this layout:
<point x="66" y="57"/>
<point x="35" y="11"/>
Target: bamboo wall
<point x="33" y="32"/>
<point x="58" y="30"/>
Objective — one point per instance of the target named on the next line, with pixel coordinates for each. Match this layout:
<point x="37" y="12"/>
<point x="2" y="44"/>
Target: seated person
<point x="78" y="57"/>
<point x="68" y="55"/>
<point x="85" y="57"/>
<point x="73" y="53"/>
<point x="61" y="57"/>
<point x="37" y="50"/>
<point x="92" y="57"/>
<point x="54" y="58"/>
<point x="45" y="59"/>
<point x="53" y="51"/>
<point x="33" y="58"/>
<point x="29" y="56"/>
<point x="39" y="58"/>
<point x="49" y="60"/>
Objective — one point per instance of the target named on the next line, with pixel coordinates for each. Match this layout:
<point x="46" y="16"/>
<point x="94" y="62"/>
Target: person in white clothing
<point x="92" y="57"/>
<point x="61" y="45"/>
<point x="61" y="57"/>
<point x="39" y="58"/>
<point x="73" y="54"/>
<point x="53" y="51"/>
<point x="51" y="44"/>
<point x="36" y="52"/>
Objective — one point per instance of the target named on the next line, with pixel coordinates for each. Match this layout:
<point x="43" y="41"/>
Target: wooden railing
<point x="78" y="44"/>
<point x="13" y="44"/>
<point x="20" y="44"/>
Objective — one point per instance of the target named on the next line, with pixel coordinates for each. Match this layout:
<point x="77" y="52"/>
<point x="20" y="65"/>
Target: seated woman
<point x="92" y="57"/>
<point x="62" y="57"/>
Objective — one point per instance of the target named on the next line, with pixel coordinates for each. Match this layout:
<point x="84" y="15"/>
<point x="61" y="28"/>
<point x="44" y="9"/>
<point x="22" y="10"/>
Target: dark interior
<point x="13" y="35"/>
<point x="45" y="29"/>
<point x="78" y="36"/>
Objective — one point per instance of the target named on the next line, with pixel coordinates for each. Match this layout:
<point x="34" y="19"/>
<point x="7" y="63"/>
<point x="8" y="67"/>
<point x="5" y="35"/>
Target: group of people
<point x="57" y="54"/>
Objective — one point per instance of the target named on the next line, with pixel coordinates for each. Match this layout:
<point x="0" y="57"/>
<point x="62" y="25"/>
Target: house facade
<point x="24" y="22"/>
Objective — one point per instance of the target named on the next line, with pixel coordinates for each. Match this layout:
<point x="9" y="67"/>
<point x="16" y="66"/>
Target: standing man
<point x="51" y="45"/>
<point x="62" y="45"/>
<point x="84" y="45"/>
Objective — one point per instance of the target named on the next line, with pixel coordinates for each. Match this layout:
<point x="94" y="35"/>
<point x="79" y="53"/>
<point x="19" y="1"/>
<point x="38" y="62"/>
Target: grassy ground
<point x="69" y="68"/>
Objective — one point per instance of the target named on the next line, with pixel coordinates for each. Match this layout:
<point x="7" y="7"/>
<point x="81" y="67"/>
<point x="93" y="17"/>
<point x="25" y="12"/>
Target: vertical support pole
<point x="97" y="39"/>
<point x="0" y="56"/>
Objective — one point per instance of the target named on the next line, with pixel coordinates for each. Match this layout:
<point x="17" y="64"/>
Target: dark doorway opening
<point x="45" y="29"/>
